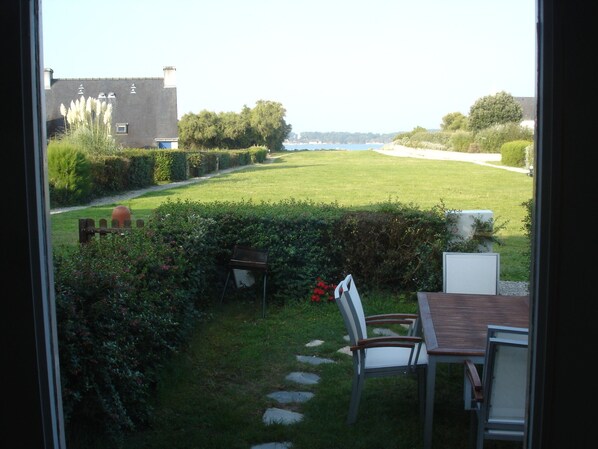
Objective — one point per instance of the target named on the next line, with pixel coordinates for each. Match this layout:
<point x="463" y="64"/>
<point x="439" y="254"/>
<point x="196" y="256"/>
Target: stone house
<point x="144" y="110"/>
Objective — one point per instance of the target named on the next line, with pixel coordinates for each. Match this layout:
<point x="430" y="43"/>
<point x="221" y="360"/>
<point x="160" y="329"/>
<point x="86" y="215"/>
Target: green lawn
<point x="356" y="179"/>
<point x="214" y="392"/>
<point x="214" y="395"/>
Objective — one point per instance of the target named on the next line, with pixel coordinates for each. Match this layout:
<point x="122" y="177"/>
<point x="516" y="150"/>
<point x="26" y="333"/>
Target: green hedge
<point x="75" y="178"/>
<point x="123" y="305"/>
<point x="394" y="246"/>
<point x="69" y="174"/>
<point x="514" y="153"/>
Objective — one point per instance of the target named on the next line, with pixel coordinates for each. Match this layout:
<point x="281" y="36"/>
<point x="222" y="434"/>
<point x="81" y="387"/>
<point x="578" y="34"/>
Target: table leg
<point x="430" y="384"/>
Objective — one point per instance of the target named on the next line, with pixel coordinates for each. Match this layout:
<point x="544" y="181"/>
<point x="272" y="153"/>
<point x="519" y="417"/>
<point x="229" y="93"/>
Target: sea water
<point x="333" y="146"/>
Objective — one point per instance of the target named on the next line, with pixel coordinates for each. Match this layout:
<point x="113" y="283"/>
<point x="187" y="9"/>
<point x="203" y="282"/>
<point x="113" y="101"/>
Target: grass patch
<point x="355" y="179"/>
<point x="215" y="393"/>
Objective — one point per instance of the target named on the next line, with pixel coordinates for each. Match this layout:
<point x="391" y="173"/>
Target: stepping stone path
<point x="276" y="415"/>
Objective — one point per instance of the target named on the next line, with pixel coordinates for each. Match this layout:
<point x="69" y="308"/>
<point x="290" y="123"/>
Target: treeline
<point x="263" y="125"/>
<point x="340" y="137"/>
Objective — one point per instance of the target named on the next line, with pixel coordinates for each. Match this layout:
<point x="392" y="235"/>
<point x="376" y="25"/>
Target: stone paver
<point x="285" y="445"/>
<point x="303" y="378"/>
<point x="345" y="350"/>
<point x="313" y="360"/>
<point x="286" y="397"/>
<point x="384" y="332"/>
<point x="313" y="343"/>
<point x="275" y="415"/>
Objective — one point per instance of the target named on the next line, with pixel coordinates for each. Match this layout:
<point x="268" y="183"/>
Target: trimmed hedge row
<point x="76" y="178"/>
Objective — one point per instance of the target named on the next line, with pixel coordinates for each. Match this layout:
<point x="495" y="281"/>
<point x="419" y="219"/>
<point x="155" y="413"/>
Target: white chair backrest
<point x="343" y="305"/>
<point x="349" y="302"/>
<point x="471" y="272"/>
<point x="506" y="375"/>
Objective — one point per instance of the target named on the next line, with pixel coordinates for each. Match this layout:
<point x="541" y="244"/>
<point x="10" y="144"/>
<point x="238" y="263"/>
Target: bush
<point x="140" y="169"/>
<point x="170" y="165"/>
<point x="297" y="235"/>
<point x="461" y="141"/>
<point x="69" y="174"/>
<point x="123" y="305"/>
<point x="438" y="140"/>
<point x="109" y="175"/>
<point x="491" y="139"/>
<point x="395" y="246"/>
<point x="528" y="226"/>
<point x="513" y="153"/>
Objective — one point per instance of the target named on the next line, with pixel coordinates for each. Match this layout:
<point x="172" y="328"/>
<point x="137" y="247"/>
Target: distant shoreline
<point x="332" y="146"/>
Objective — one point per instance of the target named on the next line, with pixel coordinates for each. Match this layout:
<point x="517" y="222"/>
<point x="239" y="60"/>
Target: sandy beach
<point x="487" y="159"/>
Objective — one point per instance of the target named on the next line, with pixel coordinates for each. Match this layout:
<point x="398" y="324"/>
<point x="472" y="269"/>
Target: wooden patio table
<point x="455" y="326"/>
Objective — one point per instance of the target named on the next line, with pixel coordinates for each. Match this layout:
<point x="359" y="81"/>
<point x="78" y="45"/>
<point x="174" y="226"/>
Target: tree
<point x="236" y="130"/>
<point x="494" y="110"/>
<point x="262" y="125"/>
<point x="267" y="121"/>
<point x="200" y="131"/>
<point x="454" y="121"/>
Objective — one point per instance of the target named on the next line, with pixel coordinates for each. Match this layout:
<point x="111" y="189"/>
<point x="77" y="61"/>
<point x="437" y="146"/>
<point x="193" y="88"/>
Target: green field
<point x="355" y="179"/>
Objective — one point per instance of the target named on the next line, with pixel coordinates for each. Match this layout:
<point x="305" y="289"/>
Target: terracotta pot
<point x="120" y="214"/>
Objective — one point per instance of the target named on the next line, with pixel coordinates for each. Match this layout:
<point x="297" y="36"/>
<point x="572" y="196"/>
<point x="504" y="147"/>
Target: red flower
<point x="323" y="291"/>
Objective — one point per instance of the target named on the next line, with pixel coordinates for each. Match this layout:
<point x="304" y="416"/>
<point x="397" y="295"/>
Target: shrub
<point x="87" y="125"/>
<point x="109" y="174"/>
<point x="170" y="165"/>
<point x="394" y="245"/>
<point x="398" y="247"/>
<point x="123" y="305"/>
<point x="69" y="174"/>
<point x="438" y="140"/>
<point x="491" y="139"/>
<point x="513" y="153"/>
<point x="297" y="235"/>
<point x="461" y="141"/>
<point x="528" y="226"/>
<point x="140" y="168"/>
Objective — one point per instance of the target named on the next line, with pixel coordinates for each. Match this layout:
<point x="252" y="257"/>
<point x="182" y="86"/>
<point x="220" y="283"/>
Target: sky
<point x="380" y="66"/>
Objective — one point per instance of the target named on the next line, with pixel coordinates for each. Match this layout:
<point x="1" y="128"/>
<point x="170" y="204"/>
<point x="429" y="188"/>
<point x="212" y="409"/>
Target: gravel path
<point x="487" y="159"/>
<point x="513" y="288"/>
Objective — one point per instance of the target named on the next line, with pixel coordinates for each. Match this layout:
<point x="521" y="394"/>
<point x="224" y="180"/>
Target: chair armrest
<point x="474" y="378"/>
<point x="392" y="318"/>
<point x="381" y="342"/>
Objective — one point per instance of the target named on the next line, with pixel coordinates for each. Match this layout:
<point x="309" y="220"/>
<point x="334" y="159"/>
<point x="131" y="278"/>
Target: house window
<point x="122" y="128"/>
<point x="101" y="96"/>
<point x="111" y="95"/>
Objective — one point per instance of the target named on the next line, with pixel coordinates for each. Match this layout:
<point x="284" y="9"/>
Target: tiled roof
<point x="149" y="108"/>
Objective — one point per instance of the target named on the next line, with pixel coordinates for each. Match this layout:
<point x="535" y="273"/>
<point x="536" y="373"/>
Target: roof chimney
<point x="169" y="76"/>
<point x="48" y="78"/>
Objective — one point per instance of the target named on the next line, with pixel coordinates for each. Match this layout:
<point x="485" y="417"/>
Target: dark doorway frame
<point x="562" y="290"/>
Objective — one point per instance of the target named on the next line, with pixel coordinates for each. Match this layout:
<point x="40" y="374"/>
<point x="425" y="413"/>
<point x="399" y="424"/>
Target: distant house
<point x="144" y="110"/>
<point x="528" y="105"/>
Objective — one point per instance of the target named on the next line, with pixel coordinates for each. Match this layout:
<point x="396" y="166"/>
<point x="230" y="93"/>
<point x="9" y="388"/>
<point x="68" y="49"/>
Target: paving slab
<point x="313" y="360"/>
<point x="303" y="378"/>
<point x="345" y="350"/>
<point x="384" y="332"/>
<point x="313" y="343"/>
<point x="286" y="397"/>
<point x="276" y="415"/>
<point x="284" y="445"/>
